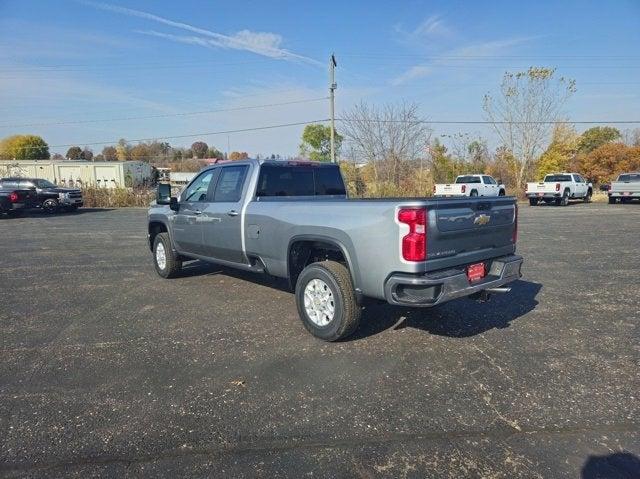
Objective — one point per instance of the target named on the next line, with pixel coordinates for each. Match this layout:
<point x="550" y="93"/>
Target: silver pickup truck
<point x="294" y="220"/>
<point x="625" y="189"/>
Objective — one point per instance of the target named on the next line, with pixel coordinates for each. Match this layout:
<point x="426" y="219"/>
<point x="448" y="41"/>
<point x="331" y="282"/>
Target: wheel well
<point x="304" y="252"/>
<point x="590" y="191"/>
<point x="155" y="227"/>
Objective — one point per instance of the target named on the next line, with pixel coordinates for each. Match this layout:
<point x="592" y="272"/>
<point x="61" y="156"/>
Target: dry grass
<point x="117" y="197"/>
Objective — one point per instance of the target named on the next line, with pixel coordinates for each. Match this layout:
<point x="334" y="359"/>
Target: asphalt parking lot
<point x="109" y="370"/>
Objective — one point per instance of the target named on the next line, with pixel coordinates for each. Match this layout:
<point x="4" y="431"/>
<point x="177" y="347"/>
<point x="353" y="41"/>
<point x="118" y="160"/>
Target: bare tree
<point x="524" y="111"/>
<point x="387" y="137"/>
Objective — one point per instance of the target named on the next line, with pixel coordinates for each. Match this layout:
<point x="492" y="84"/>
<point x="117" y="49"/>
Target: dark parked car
<point x="49" y="196"/>
<point x="14" y="202"/>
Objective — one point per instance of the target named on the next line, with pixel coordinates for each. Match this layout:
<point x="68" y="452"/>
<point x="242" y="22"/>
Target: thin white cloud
<point x="473" y="51"/>
<point x="261" y="43"/>
<point x="432" y="26"/>
<point x="413" y="73"/>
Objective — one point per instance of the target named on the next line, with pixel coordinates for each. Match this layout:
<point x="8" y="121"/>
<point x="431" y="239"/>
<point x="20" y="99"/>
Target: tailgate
<point x="449" y="189"/>
<point x="625" y="186"/>
<point x="464" y="230"/>
<point x="543" y="187"/>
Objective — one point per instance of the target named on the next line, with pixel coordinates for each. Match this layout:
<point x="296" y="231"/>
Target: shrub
<point x="95" y="197"/>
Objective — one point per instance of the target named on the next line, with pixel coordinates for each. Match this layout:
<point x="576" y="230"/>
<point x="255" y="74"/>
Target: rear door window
<point x="230" y="183"/>
<point x="488" y="180"/>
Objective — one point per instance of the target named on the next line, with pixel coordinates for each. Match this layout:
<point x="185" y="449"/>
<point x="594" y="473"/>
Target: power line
<point x="165" y="115"/>
<point x="484" y="122"/>
<point x="190" y="135"/>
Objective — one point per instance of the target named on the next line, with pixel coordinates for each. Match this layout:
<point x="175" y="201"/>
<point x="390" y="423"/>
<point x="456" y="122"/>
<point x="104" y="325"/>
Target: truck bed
<point x="370" y="234"/>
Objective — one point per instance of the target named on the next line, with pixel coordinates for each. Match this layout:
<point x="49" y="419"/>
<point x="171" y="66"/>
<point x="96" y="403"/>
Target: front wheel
<point x="165" y="259"/>
<point x="587" y="198"/>
<point x="326" y="301"/>
<point x="50" y="205"/>
<point x="501" y="193"/>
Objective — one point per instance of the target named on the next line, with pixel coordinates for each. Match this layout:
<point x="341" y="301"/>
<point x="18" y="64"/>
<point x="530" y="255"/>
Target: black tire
<point x="347" y="312"/>
<point x="565" y="199"/>
<point x="172" y="265"/>
<point x="612" y="200"/>
<point x="587" y="197"/>
<point x="501" y="193"/>
<point x="473" y="193"/>
<point x="15" y="213"/>
<point x="50" y="205"/>
<point x="533" y="201"/>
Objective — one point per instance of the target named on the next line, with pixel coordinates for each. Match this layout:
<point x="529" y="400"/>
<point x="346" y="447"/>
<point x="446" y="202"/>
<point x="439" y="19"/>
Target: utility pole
<point x="332" y="88"/>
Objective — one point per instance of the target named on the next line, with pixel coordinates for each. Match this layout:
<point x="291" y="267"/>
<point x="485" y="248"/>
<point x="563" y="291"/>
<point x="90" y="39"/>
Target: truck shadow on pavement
<point x="613" y="466"/>
<point x="460" y="318"/>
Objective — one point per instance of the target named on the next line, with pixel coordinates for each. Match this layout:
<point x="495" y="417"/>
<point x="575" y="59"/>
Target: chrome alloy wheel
<point x="318" y="302"/>
<point x="161" y="256"/>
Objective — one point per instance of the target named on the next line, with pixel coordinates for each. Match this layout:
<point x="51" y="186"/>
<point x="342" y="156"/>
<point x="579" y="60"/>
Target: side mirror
<point x="163" y="194"/>
<point x="173" y="204"/>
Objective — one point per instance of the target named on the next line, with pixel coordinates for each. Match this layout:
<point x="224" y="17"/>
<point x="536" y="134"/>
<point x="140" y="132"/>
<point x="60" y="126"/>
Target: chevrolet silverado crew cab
<point x="471" y="185"/>
<point x="625" y="189"/>
<point x="49" y="197"/>
<point x="293" y="220"/>
<point x="559" y="188"/>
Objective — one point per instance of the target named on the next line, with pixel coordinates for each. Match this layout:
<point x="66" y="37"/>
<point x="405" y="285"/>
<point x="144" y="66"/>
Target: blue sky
<point x="66" y="64"/>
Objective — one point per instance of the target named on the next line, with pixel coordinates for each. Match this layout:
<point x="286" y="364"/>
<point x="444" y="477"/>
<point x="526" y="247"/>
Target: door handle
<point x="232" y="213"/>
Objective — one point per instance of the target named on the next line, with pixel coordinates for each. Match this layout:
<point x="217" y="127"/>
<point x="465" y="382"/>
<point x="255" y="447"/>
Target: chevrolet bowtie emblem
<point x="482" y="220"/>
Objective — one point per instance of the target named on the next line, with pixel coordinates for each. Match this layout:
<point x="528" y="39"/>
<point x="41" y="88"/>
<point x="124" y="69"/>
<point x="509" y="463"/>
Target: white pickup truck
<point x="625" y="189"/>
<point x="559" y="188"/>
<point x="470" y="185"/>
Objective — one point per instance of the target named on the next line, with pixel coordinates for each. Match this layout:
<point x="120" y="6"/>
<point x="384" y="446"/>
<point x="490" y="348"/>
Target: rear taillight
<point x="514" y="238"/>
<point x="13" y="197"/>
<point x="557" y="186"/>
<point x="464" y="188"/>
<point x="414" y="243"/>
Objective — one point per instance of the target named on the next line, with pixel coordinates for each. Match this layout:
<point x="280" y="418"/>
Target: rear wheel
<point x="326" y="301"/>
<point x="165" y="259"/>
<point x="474" y="193"/>
<point x="565" y="199"/>
<point x="533" y="201"/>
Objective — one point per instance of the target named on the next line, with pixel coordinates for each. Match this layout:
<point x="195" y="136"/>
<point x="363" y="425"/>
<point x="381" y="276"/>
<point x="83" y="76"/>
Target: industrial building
<point x="106" y="174"/>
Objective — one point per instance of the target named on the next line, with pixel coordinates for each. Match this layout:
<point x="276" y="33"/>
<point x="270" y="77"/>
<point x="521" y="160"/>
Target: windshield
<point x="467" y="179"/>
<point x="556" y="178"/>
<point x="629" y="177"/>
